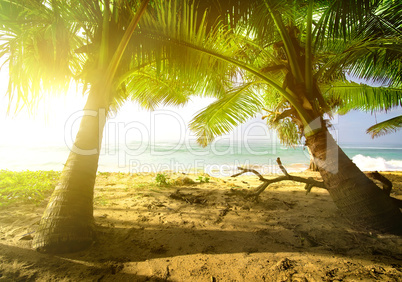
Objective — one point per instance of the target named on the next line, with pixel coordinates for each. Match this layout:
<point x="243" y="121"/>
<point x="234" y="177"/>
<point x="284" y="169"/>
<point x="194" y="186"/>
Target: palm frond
<point x="378" y="60"/>
<point x="226" y="113"/>
<point x="170" y="29"/>
<point x="374" y="51"/>
<point x="230" y="12"/>
<point x="385" y="22"/>
<point x="338" y="19"/>
<point x="37" y="44"/>
<point x="385" y="127"/>
<point x="152" y="91"/>
<point x="287" y="130"/>
<point x="119" y="52"/>
<point x="346" y="96"/>
<point x="218" y="52"/>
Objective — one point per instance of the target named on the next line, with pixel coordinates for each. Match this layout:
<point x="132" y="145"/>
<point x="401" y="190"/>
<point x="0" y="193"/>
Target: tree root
<point x="310" y="182"/>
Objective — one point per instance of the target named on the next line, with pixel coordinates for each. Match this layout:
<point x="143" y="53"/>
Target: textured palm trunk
<point x="355" y="195"/>
<point x="67" y="223"/>
<point x="313" y="165"/>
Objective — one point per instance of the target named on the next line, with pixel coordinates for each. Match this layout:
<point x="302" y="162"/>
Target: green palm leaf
<point x="287" y="130"/>
<point x="79" y="29"/>
<point x="385" y="127"/>
<point x="170" y="30"/>
<point x="226" y="113"/>
<point x="37" y="45"/>
<point x="376" y="59"/>
<point x="338" y="19"/>
<point x="374" y="51"/>
<point x="152" y="91"/>
<point x="346" y="96"/>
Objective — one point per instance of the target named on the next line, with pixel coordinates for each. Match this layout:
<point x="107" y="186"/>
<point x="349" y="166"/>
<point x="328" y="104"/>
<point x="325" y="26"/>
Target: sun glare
<point x="45" y="124"/>
<point x="55" y="120"/>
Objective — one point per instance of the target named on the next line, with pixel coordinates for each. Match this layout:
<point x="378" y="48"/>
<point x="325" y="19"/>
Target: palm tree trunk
<point x="313" y="165"/>
<point x="355" y="195"/>
<point x="67" y="223"/>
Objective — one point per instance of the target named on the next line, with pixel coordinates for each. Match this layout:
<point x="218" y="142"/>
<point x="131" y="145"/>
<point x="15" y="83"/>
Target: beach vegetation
<point x="26" y="186"/>
<point x="105" y="174"/>
<point x="203" y="179"/>
<point x="373" y="55"/>
<point x="162" y="179"/>
<point x="385" y="127"/>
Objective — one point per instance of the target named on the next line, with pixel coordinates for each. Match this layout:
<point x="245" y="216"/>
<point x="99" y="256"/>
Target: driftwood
<point x="310" y="182"/>
<point x="386" y="186"/>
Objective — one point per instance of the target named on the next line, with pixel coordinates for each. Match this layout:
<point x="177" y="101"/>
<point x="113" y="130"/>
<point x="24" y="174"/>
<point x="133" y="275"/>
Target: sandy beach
<point x="206" y="232"/>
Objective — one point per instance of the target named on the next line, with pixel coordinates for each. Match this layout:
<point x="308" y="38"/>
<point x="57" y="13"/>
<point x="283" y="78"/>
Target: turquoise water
<point x="217" y="158"/>
<point x="220" y="158"/>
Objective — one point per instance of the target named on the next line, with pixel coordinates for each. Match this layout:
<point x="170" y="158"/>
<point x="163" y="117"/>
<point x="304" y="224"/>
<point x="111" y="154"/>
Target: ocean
<point x="218" y="159"/>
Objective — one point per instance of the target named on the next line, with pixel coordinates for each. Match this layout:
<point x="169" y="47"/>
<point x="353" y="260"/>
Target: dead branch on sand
<point x="386" y="186"/>
<point x="310" y="182"/>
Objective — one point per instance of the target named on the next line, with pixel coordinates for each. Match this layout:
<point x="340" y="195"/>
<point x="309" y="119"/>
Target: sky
<point x="352" y="128"/>
<point x="56" y="122"/>
<point x="59" y="125"/>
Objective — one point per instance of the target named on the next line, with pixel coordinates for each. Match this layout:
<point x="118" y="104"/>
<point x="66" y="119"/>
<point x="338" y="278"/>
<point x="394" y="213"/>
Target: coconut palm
<point x="44" y="50"/>
<point x="373" y="55"/>
<point x="341" y="95"/>
<point x="49" y="43"/>
<point x="292" y="62"/>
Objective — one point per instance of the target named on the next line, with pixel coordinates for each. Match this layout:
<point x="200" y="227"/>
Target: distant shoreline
<point x="195" y="173"/>
<point x="219" y="159"/>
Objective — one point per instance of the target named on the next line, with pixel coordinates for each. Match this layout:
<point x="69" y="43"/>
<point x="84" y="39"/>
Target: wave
<point x="370" y="148"/>
<point x="366" y="163"/>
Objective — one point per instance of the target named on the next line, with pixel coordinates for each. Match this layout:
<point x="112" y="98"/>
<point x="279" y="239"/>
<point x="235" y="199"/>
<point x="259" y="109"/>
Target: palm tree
<point x="373" y="55"/>
<point x="43" y="49"/>
<point x="48" y="43"/>
<point x="293" y="62"/>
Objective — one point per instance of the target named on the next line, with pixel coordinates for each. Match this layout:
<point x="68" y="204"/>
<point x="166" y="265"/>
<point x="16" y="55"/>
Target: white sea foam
<point x="366" y="163"/>
<point x="370" y="148"/>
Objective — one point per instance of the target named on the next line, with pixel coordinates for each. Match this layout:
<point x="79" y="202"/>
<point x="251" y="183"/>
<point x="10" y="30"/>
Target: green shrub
<point x="203" y="179"/>
<point x="161" y="179"/>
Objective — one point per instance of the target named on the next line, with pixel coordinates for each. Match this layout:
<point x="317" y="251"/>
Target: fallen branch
<point x="386" y="186"/>
<point x="310" y="182"/>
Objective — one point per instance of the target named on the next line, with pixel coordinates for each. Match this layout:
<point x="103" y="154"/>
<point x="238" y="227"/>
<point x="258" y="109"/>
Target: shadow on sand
<point x="191" y="233"/>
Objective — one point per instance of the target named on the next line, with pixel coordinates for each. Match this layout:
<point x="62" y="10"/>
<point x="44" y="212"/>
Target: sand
<point x="206" y="232"/>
